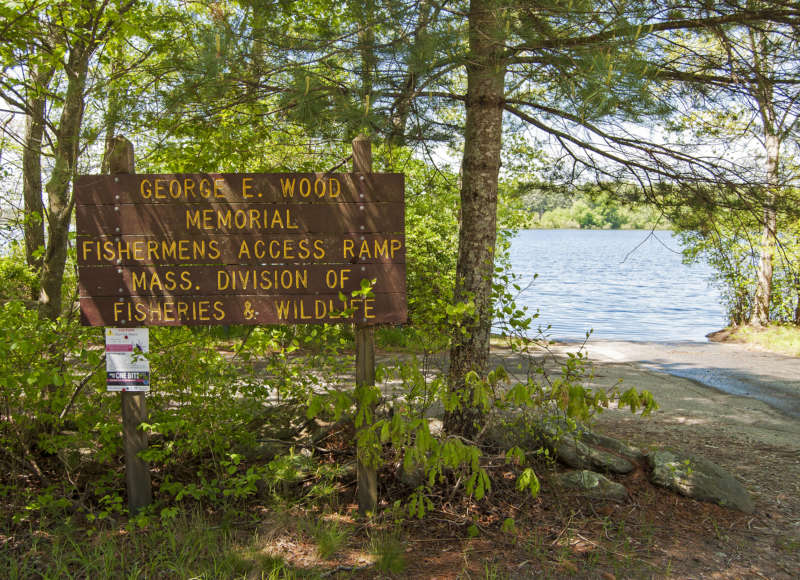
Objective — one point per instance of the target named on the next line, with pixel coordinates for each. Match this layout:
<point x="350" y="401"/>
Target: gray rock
<point x="698" y="478"/>
<point x="616" y="446"/>
<point x="593" y="485"/>
<point x="506" y="434"/>
<point x="583" y="449"/>
<point x="413" y="477"/>
<point x="575" y="453"/>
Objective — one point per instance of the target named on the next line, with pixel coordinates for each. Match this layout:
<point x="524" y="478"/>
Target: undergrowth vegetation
<point x="246" y="423"/>
<point x="781" y="338"/>
<point x="243" y="420"/>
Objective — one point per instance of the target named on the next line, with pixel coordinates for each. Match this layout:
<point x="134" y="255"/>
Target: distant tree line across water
<point x="595" y="208"/>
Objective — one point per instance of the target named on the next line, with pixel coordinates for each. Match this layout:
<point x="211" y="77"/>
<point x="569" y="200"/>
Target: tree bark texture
<point x="59" y="199"/>
<point x="478" y="233"/>
<point x="401" y="107"/>
<point x="363" y="12"/>
<point x="763" y="295"/>
<point x="797" y="308"/>
<point x="32" y="167"/>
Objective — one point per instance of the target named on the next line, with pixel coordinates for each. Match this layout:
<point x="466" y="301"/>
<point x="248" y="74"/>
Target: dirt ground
<point x="760" y="445"/>
<point x="656" y="534"/>
<point x="653" y="534"/>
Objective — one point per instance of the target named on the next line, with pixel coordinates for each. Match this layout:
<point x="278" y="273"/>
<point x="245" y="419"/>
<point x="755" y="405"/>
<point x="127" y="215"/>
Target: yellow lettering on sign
<point x="381" y="248"/>
<point x="152" y="249"/>
<point x="170" y="281"/>
<point x="213" y="249"/>
<point x="329" y="187"/>
<point x="371" y="250"/>
<point x="255" y="219"/>
<point x="287" y="187"/>
<point x="87" y="246"/>
<point x="247" y="184"/>
<point x="114" y="251"/>
<point x="108" y="251"/>
<point x="168" y="250"/>
<point x="160" y="190"/>
<point x="305" y="187"/>
<point x="254" y="280"/>
<point x="192" y="219"/>
<point x="219" y="311"/>
<point x="293" y="309"/>
<point x="175" y="190"/>
<point x="336" y="279"/>
<point x="205" y="188"/>
<point x="224" y="219"/>
<point x="347" y="249"/>
<point x="334" y="191"/>
<point x="369" y="308"/>
<point x="169" y="310"/>
<point x="139" y="280"/>
<point x="219" y="184"/>
<point x="146" y="189"/>
<point x="188" y="188"/>
<point x="138" y="250"/>
<point x="240" y="219"/>
<point x="139" y="312"/>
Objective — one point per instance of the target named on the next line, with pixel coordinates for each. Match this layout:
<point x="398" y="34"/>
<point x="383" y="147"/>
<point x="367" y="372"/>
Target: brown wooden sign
<point x="160" y="219"/>
<point x="199" y="310"/>
<point x="183" y="249"/>
<point x="146" y="250"/>
<point x="165" y="281"/>
<point x="199" y="188"/>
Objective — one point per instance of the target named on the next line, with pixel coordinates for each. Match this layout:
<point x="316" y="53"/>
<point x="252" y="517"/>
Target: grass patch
<point x="191" y="546"/>
<point x="389" y="552"/>
<point x="329" y="537"/>
<point x="780" y="338"/>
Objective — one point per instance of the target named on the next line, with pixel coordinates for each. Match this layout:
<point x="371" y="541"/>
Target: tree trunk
<point x="363" y="13"/>
<point x="401" y="107"/>
<point x="763" y="295"/>
<point x="797" y="309"/>
<point x="478" y="233"/>
<point x="114" y="106"/>
<point x="59" y="198"/>
<point x="32" y="169"/>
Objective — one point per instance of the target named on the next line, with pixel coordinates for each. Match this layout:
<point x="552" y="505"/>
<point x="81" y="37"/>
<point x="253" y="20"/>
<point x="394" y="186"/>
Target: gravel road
<point x="730" y="368"/>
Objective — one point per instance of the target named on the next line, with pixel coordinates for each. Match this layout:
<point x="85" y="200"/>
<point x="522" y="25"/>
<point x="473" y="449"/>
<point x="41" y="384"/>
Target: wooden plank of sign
<point x="201" y="188"/>
<point x="176" y="249"/>
<point x="255" y="279"/>
<point x="239" y="218"/>
<point x="218" y="310"/>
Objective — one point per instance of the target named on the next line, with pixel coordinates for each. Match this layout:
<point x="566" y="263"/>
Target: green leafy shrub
<point x="17" y="280"/>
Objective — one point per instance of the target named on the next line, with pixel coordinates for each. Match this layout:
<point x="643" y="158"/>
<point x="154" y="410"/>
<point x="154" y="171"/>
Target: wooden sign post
<point x="240" y="248"/>
<point x="365" y="357"/>
<point x="134" y="404"/>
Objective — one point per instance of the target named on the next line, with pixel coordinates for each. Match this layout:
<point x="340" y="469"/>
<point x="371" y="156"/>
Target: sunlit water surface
<point x="623" y="284"/>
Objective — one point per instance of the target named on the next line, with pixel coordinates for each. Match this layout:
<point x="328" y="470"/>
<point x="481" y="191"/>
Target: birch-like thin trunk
<point x="401" y="108"/>
<point x="478" y="234"/>
<point x="32" y="167"/>
<point x="59" y="198"/>
<point x="763" y="294"/>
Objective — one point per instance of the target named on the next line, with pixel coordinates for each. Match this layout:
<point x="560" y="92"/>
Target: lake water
<point x="624" y="284"/>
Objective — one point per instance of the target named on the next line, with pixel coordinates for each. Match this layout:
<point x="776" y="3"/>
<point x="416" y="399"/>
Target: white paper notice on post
<point x="127" y="367"/>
